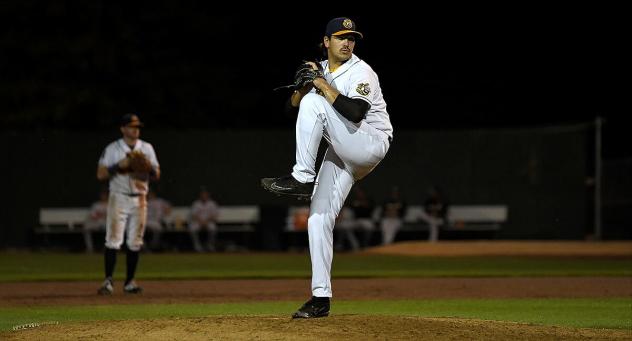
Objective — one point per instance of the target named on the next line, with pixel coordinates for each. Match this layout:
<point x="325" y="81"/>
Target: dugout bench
<point x="62" y="228"/>
<point x="463" y="222"/>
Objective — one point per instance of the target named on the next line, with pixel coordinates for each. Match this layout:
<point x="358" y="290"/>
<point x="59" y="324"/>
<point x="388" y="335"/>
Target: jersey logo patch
<point x="363" y="89"/>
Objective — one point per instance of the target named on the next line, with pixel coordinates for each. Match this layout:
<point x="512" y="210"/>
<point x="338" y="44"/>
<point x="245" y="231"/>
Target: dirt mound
<point x="509" y="248"/>
<point x="337" y="327"/>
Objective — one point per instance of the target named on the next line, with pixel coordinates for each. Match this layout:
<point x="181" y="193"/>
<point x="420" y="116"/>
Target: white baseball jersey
<point x="356" y="79"/>
<point x="124" y="183"/>
<point x="204" y="211"/>
<point x="156" y="210"/>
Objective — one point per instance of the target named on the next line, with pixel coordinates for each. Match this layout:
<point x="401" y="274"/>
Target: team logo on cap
<point x="347" y="23"/>
<point x="363" y="89"/>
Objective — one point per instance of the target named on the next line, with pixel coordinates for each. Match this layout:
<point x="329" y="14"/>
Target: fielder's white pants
<point x="126" y="214"/>
<point x="354" y="150"/>
<point x="194" y="229"/>
<point x="433" y="225"/>
<point x="346" y="225"/>
<point x="390" y="226"/>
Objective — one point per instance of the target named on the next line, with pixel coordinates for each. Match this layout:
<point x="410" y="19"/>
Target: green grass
<point x="67" y="266"/>
<point x="583" y="313"/>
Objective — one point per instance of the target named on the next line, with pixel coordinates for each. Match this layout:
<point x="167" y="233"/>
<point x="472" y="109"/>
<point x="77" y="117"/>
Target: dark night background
<point x="79" y="66"/>
<point x="510" y="92"/>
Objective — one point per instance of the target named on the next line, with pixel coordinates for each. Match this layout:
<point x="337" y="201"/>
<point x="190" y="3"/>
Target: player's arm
<point x="353" y="109"/>
<point x="291" y="106"/>
<point x="154" y="174"/>
<point x="195" y="213"/>
<point x="298" y="95"/>
<point x="104" y="172"/>
<point x="214" y="213"/>
<point x="167" y="208"/>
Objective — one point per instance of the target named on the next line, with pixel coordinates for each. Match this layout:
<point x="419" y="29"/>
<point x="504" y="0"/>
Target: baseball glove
<point x="305" y="75"/>
<point x="139" y="164"/>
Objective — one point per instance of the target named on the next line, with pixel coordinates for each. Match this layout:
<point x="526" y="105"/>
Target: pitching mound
<point x="340" y="327"/>
<point x="509" y="248"/>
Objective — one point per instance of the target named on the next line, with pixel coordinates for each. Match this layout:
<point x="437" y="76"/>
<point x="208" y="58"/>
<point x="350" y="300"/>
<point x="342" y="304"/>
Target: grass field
<point x="582" y="313"/>
<point x="55" y="266"/>
<point x="595" y="313"/>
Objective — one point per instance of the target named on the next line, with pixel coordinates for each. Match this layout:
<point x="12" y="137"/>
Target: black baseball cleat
<point x="315" y="307"/>
<point x="287" y="185"/>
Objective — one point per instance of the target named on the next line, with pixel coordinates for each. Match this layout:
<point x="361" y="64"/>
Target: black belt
<point x="133" y="194"/>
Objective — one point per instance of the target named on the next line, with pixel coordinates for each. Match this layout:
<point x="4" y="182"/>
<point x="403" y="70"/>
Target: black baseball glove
<point x="304" y="76"/>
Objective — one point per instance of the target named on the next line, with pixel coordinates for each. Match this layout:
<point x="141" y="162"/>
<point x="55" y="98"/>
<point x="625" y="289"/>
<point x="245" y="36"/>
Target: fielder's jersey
<point x="204" y="209"/>
<point x="356" y="79"/>
<point x="156" y="211"/>
<point x="123" y="182"/>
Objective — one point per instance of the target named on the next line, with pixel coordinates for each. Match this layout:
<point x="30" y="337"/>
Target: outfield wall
<point x="540" y="174"/>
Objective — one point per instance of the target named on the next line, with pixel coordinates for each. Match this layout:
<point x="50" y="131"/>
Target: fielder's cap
<point x="340" y="26"/>
<point x="131" y="120"/>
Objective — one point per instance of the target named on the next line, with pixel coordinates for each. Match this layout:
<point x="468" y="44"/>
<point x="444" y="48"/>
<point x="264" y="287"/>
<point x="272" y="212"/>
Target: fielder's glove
<point x="139" y="164"/>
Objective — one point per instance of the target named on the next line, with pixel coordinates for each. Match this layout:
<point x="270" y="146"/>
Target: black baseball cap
<point x="131" y="120"/>
<point x="340" y="26"/>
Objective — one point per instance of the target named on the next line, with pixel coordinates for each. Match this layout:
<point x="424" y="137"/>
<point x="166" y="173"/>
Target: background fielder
<point x="127" y="203"/>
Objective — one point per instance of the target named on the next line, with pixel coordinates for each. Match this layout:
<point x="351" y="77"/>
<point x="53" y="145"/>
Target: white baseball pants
<point x="354" y="150"/>
<point x="126" y="214"/>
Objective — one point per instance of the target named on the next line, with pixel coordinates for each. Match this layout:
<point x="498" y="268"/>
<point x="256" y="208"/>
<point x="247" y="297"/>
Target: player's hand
<point x="310" y="85"/>
<point x="306" y="88"/>
<point x="305" y="75"/>
<point x="318" y="83"/>
<point x="313" y="65"/>
<point x="124" y="163"/>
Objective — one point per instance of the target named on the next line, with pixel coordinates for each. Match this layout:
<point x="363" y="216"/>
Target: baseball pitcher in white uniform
<point x="338" y="99"/>
<point x="127" y="203"/>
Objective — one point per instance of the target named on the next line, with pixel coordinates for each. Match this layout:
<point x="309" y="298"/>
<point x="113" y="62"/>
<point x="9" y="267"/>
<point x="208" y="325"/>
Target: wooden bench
<point x="70" y="220"/>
